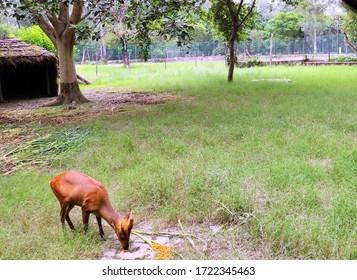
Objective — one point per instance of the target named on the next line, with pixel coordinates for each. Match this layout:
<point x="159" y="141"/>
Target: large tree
<point x="315" y="18"/>
<point x="167" y="19"/>
<point x="232" y="18"/>
<point x="350" y="28"/>
<point x="283" y="25"/>
<point x="140" y="20"/>
<point x="61" y="21"/>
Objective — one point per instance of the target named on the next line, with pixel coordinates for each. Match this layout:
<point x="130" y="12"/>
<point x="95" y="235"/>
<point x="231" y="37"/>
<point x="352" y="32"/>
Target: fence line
<point x="334" y="44"/>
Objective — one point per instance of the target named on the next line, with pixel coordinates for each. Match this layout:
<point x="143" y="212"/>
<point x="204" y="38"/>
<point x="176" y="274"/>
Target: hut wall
<point x="29" y="80"/>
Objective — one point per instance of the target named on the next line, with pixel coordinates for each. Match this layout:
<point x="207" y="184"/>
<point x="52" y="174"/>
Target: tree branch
<point x="53" y="19"/>
<point x="47" y="28"/>
<point x="239" y="9"/>
<point x="63" y="14"/>
<point x="76" y="12"/>
<point x="349" y="42"/>
<point x="248" y="14"/>
<point x="85" y="15"/>
<point x="230" y="8"/>
<point x="45" y="24"/>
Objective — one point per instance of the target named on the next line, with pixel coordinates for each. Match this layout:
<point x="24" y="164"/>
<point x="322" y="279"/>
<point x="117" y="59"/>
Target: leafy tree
<point x="173" y="19"/>
<point x="63" y="23"/>
<point x="232" y="19"/>
<point x="59" y="19"/>
<point x="350" y="28"/>
<point x="315" y="18"/>
<point x="283" y="25"/>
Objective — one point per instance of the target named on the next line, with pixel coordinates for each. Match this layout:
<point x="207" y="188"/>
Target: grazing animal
<point x="72" y="188"/>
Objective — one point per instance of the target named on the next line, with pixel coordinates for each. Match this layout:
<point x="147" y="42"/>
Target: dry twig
<point x="187" y="236"/>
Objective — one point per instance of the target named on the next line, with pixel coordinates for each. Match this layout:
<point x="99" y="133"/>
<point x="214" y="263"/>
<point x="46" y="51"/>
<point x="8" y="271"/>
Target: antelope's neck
<point x="110" y="215"/>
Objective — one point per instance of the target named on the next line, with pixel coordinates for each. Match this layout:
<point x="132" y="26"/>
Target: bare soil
<point x="18" y="118"/>
<point x="198" y="241"/>
<point x="104" y="101"/>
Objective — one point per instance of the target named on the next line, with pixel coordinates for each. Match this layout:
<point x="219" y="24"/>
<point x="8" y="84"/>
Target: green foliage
<point x="285" y="25"/>
<point x="220" y="17"/>
<point x="34" y="35"/>
<point x="172" y="20"/>
<point x="346" y="59"/>
<point x="350" y="25"/>
<point x="7" y="30"/>
<point x="251" y="62"/>
<point x="4" y="32"/>
<point x="314" y="15"/>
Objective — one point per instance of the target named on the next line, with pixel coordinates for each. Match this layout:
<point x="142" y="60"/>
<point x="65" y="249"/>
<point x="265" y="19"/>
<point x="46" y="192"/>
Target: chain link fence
<point x="161" y="52"/>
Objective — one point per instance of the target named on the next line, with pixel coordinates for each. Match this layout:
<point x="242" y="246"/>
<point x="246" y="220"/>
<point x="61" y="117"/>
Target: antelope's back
<point x="77" y="188"/>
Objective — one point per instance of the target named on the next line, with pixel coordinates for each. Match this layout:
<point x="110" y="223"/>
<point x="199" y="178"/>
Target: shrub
<point x="7" y="30"/>
<point x="34" y="35"/>
<point x="345" y="59"/>
<point x="251" y="62"/>
<point x="3" y="31"/>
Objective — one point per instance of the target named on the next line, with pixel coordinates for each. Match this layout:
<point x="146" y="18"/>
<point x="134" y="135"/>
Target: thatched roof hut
<point x="26" y="71"/>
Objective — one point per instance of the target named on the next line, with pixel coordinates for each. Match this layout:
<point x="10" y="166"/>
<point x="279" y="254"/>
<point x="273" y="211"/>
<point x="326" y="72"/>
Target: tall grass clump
<point x="43" y="150"/>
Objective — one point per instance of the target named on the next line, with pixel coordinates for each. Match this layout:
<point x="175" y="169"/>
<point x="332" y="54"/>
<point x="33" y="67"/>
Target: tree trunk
<point x="231" y="55"/>
<point x="271" y="48"/>
<point x="69" y="88"/>
<point x="349" y="42"/>
<point x="315" y="41"/>
<point x="103" y="47"/>
<point x="124" y="51"/>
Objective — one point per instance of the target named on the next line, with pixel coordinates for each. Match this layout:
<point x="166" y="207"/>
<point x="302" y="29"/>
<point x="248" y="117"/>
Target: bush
<point x="34" y="35"/>
<point x="251" y="62"/>
<point x="345" y="59"/>
<point x="3" y="31"/>
<point x="7" y="30"/>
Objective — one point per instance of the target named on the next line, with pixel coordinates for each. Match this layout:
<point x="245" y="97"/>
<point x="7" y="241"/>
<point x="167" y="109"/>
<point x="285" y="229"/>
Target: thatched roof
<point x="14" y="51"/>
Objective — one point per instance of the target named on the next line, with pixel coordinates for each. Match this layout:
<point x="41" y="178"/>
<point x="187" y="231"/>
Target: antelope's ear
<point x="129" y="219"/>
<point x="128" y="216"/>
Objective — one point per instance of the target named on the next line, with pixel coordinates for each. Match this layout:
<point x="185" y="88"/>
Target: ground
<point x="104" y="101"/>
<point x="208" y="239"/>
<point x="17" y="117"/>
<point x="194" y="241"/>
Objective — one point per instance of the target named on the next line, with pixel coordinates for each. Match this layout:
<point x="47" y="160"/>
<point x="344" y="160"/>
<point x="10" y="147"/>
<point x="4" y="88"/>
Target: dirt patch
<point x="103" y="102"/>
<point x="198" y="241"/>
<point x="17" y="117"/>
<point x="23" y="122"/>
<point x="325" y="162"/>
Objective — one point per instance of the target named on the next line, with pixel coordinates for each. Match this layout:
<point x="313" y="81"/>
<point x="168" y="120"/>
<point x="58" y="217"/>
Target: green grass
<point x="283" y="152"/>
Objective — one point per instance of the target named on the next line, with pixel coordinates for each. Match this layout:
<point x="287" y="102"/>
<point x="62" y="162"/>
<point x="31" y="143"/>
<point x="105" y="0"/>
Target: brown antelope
<point x="72" y="188"/>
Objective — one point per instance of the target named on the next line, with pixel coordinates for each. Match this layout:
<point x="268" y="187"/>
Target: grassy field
<point x="282" y="154"/>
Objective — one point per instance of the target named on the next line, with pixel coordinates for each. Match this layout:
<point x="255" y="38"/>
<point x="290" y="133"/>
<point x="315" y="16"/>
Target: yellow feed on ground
<point x="164" y="252"/>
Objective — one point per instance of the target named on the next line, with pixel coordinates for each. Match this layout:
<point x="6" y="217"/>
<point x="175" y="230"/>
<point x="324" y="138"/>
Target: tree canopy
<point x="285" y="25"/>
